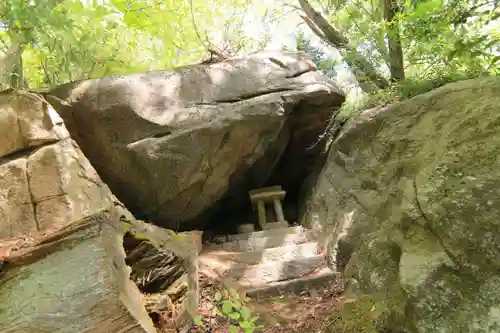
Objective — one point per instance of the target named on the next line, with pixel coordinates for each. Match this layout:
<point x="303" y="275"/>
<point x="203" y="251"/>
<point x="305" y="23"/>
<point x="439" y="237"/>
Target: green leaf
<point x="233" y="329"/>
<point x="234" y="315"/>
<point x="246" y="313"/>
<point x="197" y="321"/>
<point x="227" y="307"/>
<point x="234" y="294"/>
<point x="254" y="319"/>
<point x="237" y="304"/>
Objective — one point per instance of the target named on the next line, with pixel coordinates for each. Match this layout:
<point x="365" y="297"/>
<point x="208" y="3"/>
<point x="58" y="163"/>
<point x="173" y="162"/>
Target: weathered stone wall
<point x="62" y="260"/>
<point x="411" y="194"/>
<point x="45" y="180"/>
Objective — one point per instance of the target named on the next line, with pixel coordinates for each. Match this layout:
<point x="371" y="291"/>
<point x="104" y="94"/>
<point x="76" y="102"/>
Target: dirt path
<point x="308" y="312"/>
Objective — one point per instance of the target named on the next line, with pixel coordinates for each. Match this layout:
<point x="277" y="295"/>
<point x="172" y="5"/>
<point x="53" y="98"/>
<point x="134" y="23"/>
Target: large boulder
<point x="45" y="180"/>
<point x="172" y="144"/>
<point x="410" y="194"/>
<point x="62" y="262"/>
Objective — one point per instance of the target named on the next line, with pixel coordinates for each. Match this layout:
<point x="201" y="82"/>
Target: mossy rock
<point x="413" y="189"/>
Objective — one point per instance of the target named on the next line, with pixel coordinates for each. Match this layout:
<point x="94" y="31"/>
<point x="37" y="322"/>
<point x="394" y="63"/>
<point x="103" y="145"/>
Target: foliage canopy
<point x="50" y="42"/>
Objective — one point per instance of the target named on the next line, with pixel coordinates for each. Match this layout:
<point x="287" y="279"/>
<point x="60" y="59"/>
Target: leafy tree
<point x="46" y="43"/>
<point x="388" y="40"/>
<point x="392" y="13"/>
<point x="60" y="41"/>
<point x="325" y="65"/>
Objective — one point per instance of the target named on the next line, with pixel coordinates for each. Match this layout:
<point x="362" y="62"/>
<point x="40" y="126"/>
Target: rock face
<point x="73" y="281"/>
<point x="411" y="195"/>
<point x="171" y="144"/>
<point x="62" y="263"/>
<point x="45" y="180"/>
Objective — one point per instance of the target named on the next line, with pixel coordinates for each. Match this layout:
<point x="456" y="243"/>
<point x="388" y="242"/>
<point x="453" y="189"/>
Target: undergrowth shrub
<point x="409" y="88"/>
<point x="230" y="305"/>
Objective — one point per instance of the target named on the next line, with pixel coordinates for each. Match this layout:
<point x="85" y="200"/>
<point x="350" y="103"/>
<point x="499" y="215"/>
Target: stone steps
<point x="261" y="243"/>
<point x="287" y="252"/>
<point x="318" y="279"/>
<point x="253" y="276"/>
<point x="258" y="275"/>
<point x="276" y="225"/>
<point x="265" y="233"/>
<point x="269" y="262"/>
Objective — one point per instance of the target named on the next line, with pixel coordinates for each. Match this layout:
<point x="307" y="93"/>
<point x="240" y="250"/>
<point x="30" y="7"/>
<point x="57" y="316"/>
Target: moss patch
<point x="373" y="313"/>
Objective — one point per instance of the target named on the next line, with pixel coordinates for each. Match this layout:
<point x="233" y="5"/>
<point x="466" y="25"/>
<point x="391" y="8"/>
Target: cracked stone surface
<point x="36" y="125"/>
<point x="409" y="196"/>
<point x="175" y="146"/>
<point x="45" y="180"/>
<point x="78" y="280"/>
<point x="63" y="264"/>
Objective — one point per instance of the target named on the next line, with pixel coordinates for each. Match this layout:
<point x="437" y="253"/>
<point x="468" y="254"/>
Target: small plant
<point x="433" y="78"/>
<point x="229" y="305"/>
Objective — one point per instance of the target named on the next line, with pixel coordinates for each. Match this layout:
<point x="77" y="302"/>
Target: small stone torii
<point x="266" y="195"/>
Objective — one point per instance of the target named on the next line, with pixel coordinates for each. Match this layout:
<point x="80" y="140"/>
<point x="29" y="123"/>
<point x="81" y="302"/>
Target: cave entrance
<point x="245" y="217"/>
<point x="295" y="169"/>
<point x="160" y="275"/>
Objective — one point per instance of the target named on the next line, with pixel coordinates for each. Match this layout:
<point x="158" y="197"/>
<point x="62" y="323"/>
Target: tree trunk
<point x="396" y="64"/>
<point x="368" y="77"/>
<point x="11" y="66"/>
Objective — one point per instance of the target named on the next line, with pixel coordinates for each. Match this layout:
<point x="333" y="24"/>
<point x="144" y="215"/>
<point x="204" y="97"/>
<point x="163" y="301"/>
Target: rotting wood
<point x="153" y="269"/>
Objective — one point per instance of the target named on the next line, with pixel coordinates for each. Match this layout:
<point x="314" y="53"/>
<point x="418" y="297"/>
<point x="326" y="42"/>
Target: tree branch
<point x="334" y="36"/>
<point x="368" y="77"/>
<point x="45" y="72"/>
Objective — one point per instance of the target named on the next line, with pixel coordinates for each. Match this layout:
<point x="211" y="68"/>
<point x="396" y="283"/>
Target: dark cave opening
<point x="296" y="166"/>
<point x="229" y="219"/>
<point x="296" y="169"/>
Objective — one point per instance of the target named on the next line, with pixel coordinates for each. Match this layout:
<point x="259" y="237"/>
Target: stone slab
<point x="321" y="279"/>
<point x="74" y="281"/>
<point x="259" y="275"/>
<point x="289" y="252"/>
<point x="261" y="243"/>
<point x="266" y="233"/>
<point x="268" y="196"/>
<point x="275" y="225"/>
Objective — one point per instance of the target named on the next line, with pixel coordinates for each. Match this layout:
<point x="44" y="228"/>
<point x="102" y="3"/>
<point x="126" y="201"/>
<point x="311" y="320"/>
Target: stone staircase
<point x="269" y="262"/>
